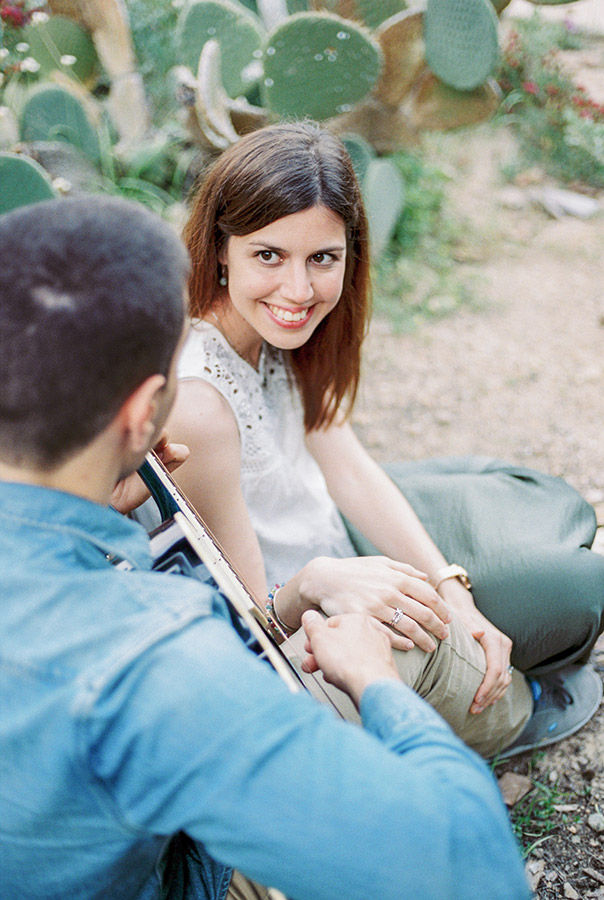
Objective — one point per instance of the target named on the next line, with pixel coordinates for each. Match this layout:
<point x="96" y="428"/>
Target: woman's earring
<point x="223" y="280"/>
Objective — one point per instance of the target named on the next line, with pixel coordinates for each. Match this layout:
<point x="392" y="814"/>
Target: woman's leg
<point x="524" y="538"/>
<point x="448" y="679"/>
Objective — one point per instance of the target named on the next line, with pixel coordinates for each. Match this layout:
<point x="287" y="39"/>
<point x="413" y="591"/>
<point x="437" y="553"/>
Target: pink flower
<point x="530" y="87"/>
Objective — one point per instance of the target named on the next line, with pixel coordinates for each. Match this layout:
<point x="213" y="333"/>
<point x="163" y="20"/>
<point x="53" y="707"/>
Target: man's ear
<point x="136" y="417"/>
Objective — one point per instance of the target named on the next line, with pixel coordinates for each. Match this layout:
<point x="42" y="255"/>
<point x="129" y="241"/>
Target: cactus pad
<point x="402" y="41"/>
<point x="237" y="30"/>
<point x="361" y="153"/>
<point x="52" y="113"/>
<point x="384" y="193"/>
<point x="461" y="41"/>
<point x="318" y="65"/>
<point x="373" y="14"/>
<point x="59" y="39"/>
<point x="440" y="107"/>
<point x="22" y="181"/>
<point x="500" y="5"/>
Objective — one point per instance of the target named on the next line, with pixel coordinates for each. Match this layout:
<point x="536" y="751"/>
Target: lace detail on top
<point x="284" y="489"/>
<point x="254" y="395"/>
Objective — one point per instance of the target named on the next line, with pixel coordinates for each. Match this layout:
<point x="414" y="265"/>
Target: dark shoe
<point x="564" y="702"/>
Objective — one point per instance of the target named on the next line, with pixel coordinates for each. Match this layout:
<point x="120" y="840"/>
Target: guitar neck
<point x="172" y="503"/>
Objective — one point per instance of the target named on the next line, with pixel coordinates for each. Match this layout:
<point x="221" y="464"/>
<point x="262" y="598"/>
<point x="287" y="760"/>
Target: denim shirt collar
<point x="116" y="536"/>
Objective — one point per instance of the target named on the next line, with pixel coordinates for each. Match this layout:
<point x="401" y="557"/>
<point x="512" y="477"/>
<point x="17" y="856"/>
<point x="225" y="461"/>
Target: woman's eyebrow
<point x="274" y="249"/>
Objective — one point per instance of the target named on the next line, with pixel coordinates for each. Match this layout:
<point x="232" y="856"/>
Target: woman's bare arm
<point x="210" y="478"/>
<point x="372" y="502"/>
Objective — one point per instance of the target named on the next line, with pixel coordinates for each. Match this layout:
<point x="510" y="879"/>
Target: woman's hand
<point x="496" y="645"/>
<point x="372" y="585"/>
<point x="130" y="492"/>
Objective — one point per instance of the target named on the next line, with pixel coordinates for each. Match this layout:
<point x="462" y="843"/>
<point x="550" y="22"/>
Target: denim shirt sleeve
<point x="199" y="735"/>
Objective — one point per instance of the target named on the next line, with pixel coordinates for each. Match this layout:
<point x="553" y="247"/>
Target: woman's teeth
<point x="286" y="315"/>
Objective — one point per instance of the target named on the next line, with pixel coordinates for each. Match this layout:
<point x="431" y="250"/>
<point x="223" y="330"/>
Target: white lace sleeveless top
<point x="284" y="489"/>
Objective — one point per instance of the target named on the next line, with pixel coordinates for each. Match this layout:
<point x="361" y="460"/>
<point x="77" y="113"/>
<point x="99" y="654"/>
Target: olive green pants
<point x="448" y="679"/>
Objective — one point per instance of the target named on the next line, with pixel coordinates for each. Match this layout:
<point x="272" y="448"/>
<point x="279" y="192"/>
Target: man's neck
<point x="90" y="473"/>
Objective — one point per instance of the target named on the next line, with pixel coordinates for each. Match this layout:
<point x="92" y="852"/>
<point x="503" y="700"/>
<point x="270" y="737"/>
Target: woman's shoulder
<point x="203" y="415"/>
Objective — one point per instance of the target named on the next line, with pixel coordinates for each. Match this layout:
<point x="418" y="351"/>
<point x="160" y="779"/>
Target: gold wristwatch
<point x="452" y="571"/>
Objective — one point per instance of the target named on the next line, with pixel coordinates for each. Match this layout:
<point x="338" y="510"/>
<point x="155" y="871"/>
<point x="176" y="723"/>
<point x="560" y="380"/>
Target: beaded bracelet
<point x="278" y="628"/>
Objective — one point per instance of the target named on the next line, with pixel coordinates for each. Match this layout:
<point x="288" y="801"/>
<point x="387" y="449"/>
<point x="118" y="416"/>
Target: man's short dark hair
<point x="91" y="304"/>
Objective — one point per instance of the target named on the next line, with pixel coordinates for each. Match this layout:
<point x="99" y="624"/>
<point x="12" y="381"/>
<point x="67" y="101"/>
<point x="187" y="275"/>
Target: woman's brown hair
<point x="275" y="172"/>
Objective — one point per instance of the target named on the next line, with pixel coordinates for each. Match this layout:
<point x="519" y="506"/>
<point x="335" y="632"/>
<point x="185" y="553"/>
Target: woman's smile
<point x="290" y="318"/>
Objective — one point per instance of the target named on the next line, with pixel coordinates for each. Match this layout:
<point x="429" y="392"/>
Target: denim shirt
<point x="131" y="712"/>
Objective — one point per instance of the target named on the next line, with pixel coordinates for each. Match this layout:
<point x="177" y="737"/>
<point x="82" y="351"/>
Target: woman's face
<point x="283" y="280"/>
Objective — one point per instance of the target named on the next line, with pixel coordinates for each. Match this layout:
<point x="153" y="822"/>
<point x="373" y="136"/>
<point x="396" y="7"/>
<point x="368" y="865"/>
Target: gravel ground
<point x="519" y="376"/>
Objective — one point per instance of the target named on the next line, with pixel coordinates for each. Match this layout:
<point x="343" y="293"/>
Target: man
<point x="144" y="750"/>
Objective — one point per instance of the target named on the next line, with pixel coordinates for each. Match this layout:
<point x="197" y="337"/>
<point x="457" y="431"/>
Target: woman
<point x="279" y="302"/>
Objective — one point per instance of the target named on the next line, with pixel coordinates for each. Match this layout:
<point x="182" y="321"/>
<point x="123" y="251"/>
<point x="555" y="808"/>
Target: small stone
<point x="551" y="875"/>
<point x="572" y="829"/>
<point x="596" y="822"/>
<point x="553" y="777"/>
<point x="534" y="872"/>
<point x="569" y="892"/>
<point x="513" y="787"/>
<point x="575" y="839"/>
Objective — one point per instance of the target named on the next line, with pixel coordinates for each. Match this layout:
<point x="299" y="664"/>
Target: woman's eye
<point x="268" y="256"/>
<point x="323" y="259"/>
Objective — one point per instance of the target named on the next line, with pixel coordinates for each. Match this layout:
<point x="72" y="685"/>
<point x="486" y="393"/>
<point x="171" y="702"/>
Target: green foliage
<point x="23" y="182"/>
<point x="61" y="44"/>
<point x="318" y="65"/>
<point x="238" y="32"/>
<point x="153" y="25"/>
<point x="462" y="43"/>
<point x="534" y="817"/>
<point x="54" y="114"/>
<point x="558" y="125"/>
<point x="417" y="277"/>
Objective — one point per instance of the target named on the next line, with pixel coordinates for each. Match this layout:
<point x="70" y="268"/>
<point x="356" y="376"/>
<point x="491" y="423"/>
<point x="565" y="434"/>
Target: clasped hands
<point x="377" y="586"/>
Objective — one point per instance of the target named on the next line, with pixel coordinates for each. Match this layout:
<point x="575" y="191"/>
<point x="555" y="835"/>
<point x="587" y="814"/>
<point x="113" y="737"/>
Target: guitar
<point x="184" y="544"/>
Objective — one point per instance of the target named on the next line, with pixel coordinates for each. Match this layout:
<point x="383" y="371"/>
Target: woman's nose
<point x="296" y="286"/>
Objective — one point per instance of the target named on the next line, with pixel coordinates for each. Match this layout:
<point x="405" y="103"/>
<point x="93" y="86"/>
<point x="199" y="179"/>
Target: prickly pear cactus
<point x="361" y="153"/>
<point x="500" y="5"/>
<point x="373" y="14"/>
<point x="60" y="43"/>
<point x="22" y="181"/>
<point x="238" y="31"/>
<point x="9" y="128"/>
<point x="436" y="106"/>
<point x="318" y="65"/>
<point x="402" y="41"/>
<point x="461" y="41"/>
<point x="384" y="194"/>
<point x="53" y="113"/>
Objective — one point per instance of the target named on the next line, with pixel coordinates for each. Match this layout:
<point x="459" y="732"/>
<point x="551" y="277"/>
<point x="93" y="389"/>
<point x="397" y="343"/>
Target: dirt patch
<point x="520" y="377"/>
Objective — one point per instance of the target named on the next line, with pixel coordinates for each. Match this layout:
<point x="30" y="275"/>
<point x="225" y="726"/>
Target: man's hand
<point x="351" y="651"/>
<point x="130" y="492"/>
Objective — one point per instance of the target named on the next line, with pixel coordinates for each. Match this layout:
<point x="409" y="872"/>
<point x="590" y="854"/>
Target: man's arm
<point x="208" y="740"/>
